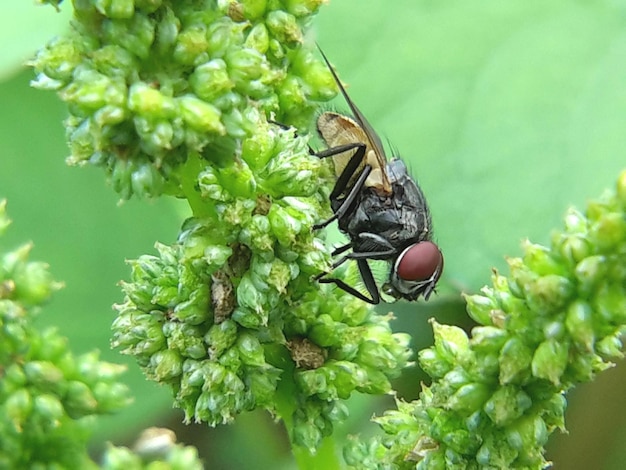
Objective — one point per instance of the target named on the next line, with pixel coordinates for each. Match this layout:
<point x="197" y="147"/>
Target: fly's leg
<point x="378" y="248"/>
<point x="341" y="249"/>
<point x="368" y="280"/>
<point x="343" y="180"/>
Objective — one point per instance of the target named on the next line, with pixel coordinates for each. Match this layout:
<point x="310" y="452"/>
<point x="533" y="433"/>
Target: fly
<point x="379" y="207"/>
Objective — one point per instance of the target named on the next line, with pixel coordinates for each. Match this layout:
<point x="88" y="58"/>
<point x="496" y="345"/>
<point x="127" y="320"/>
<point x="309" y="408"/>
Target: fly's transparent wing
<point x="372" y="140"/>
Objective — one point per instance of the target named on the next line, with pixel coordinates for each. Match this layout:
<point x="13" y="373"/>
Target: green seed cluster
<point x="48" y="396"/>
<point x="178" y="98"/>
<point x="155" y="449"/>
<point x="150" y="82"/>
<point x="229" y="314"/>
<point x="496" y="397"/>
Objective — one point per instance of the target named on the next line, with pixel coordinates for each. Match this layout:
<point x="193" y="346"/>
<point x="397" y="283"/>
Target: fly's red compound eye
<point x="420" y="262"/>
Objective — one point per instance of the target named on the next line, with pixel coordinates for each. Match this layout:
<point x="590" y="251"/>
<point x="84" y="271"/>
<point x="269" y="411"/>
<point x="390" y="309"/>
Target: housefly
<point x="379" y="207"/>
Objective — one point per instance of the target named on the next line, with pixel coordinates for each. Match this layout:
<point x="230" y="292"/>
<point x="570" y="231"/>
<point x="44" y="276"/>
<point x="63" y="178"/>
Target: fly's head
<point x="415" y="272"/>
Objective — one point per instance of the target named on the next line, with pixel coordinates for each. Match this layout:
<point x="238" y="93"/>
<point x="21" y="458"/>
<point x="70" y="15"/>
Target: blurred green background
<point x="507" y="112"/>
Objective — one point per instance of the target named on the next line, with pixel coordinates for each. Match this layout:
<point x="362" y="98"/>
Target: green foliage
<point x="48" y="396"/>
<point x="148" y="83"/>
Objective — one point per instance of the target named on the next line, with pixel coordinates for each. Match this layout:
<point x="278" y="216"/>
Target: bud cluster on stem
<point x="496" y="396"/>
<point x="193" y="99"/>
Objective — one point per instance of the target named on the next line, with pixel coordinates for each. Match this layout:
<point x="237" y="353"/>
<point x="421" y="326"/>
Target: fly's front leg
<point x="368" y="280"/>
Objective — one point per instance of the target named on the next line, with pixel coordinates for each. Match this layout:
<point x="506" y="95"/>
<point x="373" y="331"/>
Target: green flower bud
<point x="303" y="7"/>
<point x="590" y="271"/>
<point x="136" y="35"/>
<point x="79" y="400"/>
<point x="554" y="413"/>
<point x="250" y="350"/>
<point x="221" y="337"/>
<point x="488" y="339"/>
<point x="150" y="102"/>
<point x="210" y="80"/>
<point x="184" y="458"/>
<point x="223" y="33"/>
<point x="579" y="324"/>
<point x="515" y="361"/>
<point x="200" y="115"/>
<point x="33" y="283"/>
<point x="148" y="6"/>
<point x="166" y="31"/>
<point x="549" y="293"/>
<point x="550" y="360"/>
<point x="575" y="222"/>
<point x="166" y="365"/>
<point x="609" y="231"/>
<point x="327" y="332"/>
<point x="435" y="460"/>
<point x="238" y="179"/>
<point x="194" y="311"/>
<point x="192" y="45"/>
<point x="49" y="409"/>
<point x="480" y="308"/>
<point x="246" y="65"/>
<point x="433" y="364"/>
<point x="257" y="234"/>
<point x="582" y="368"/>
<point x="314" y="262"/>
<point x="249" y="297"/>
<point x="262" y="383"/>
<point x="573" y="248"/>
<point x="58" y="61"/>
<point x="186" y="339"/>
<point x="258" y="38"/>
<point x="284" y="226"/>
<point x="292" y="173"/>
<point x="495" y="454"/>
<point x="291" y="95"/>
<point x="111" y="396"/>
<point x="451" y="342"/>
<point x="527" y="433"/>
<point x="116" y="458"/>
<point x="540" y="260"/>
<point x="610" y="347"/>
<point x="18" y="406"/>
<point x="469" y="398"/>
<point x="284" y="27"/>
<point x="507" y="404"/>
<point x="247" y="318"/>
<point x="257" y="149"/>
<point x="610" y="303"/>
<point x="121" y="9"/>
<point x="92" y="90"/>
<point x="239" y="212"/>
<point x="44" y="375"/>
